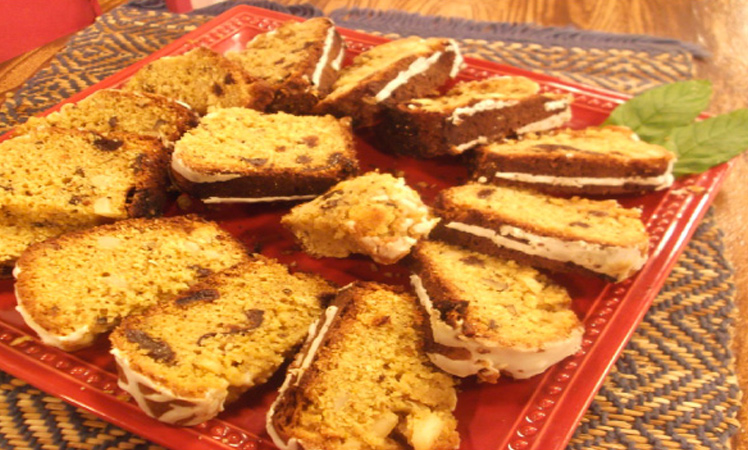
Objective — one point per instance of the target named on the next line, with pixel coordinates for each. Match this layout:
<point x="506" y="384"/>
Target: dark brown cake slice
<point x="299" y="60"/>
<point x="470" y="114"/>
<point x="593" y="161"/>
<point x="391" y="73"/>
<point x="596" y="237"/>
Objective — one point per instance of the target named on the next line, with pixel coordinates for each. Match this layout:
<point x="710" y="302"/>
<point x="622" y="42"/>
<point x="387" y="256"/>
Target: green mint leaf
<point x="708" y="143"/>
<point x="655" y="112"/>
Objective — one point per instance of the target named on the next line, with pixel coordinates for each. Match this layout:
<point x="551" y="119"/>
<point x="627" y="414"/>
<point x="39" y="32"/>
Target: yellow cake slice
<point x="608" y="160"/>
<point x="203" y="79"/>
<point x="183" y="359"/>
<point x="374" y="214"/>
<point x="363" y="380"/>
<point x="242" y="155"/>
<point x="75" y="287"/>
<point x="54" y="180"/>
<point x="491" y="316"/>
<point x="116" y="111"/>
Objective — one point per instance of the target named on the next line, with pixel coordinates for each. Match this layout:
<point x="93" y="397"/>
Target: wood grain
<point x="718" y="25"/>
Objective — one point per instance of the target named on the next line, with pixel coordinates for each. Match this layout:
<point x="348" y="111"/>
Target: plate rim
<point x="21" y="354"/>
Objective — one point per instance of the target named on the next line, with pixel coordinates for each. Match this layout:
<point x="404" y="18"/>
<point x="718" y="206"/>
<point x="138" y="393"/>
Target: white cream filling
<point x="487" y="356"/>
<point x="338" y="62"/>
<point x="659" y="182"/>
<point x="322" y="63"/>
<point x="483" y="105"/>
<point x="71" y="341"/>
<point x="412" y="227"/>
<point x="614" y="261"/>
<point x="179" y="167"/>
<point x="301" y="364"/>
<point x="417" y="67"/>
<point x="548" y="123"/>
<point x="457" y="65"/>
<point x="257" y="199"/>
<point x="555" y="105"/>
<point x="470" y="144"/>
<point x="387" y="249"/>
<point x="200" y="410"/>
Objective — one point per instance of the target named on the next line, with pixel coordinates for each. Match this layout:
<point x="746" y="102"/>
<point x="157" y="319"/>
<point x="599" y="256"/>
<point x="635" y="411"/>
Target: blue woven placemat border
<point x="406" y="23"/>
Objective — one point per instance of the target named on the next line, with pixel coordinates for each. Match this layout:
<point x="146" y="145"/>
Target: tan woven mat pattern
<point x="674" y="386"/>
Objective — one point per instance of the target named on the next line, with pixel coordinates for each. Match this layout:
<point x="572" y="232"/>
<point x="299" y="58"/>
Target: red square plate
<point x="538" y="413"/>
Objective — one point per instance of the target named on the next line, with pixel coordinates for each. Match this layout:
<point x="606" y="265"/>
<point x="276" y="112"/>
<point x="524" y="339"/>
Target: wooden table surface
<point x="717" y="25"/>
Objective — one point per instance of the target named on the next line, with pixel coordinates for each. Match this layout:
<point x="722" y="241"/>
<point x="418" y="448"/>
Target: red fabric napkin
<point x="28" y="24"/>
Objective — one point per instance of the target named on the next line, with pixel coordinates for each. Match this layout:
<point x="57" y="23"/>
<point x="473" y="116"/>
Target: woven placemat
<point x="673" y="387"/>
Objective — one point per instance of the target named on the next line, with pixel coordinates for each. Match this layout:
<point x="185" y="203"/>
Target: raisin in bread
<point x="299" y="60"/>
<point x="363" y="380"/>
<point x="592" y="161"/>
<point x="72" y="288"/>
<point x="113" y="111"/>
<point x="54" y="180"/>
<point x="470" y="114"/>
<point x="183" y="359"/>
<point x="241" y="155"/>
<point x="391" y="73"/>
<point x="203" y="79"/>
<point x="597" y="237"/>
<point x="374" y="214"/>
<point x="489" y="315"/>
